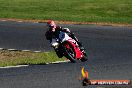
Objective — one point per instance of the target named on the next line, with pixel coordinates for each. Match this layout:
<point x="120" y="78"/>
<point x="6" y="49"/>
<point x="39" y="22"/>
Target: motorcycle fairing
<point x="76" y="49"/>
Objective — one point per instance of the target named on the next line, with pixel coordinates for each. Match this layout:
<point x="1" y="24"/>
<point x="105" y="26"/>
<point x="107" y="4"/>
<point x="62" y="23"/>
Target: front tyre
<point x="58" y="53"/>
<point x="69" y="52"/>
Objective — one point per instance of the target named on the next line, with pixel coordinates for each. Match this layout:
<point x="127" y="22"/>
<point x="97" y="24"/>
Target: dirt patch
<point x="68" y="22"/>
<point x="5" y="54"/>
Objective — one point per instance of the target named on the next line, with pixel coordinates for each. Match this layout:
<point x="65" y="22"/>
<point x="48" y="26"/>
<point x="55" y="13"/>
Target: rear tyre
<point x="83" y="59"/>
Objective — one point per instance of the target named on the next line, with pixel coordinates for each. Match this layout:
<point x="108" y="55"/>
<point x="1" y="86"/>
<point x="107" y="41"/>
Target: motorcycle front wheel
<point x="69" y="52"/>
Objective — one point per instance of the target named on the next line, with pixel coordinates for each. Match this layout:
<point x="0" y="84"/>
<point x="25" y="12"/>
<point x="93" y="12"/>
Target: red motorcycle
<point x="68" y="47"/>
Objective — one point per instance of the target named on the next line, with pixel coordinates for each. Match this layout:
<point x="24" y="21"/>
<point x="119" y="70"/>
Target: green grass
<point x="113" y="11"/>
<point x="12" y="58"/>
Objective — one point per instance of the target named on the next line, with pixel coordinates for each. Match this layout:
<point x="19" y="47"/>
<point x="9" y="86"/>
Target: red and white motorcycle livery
<point x="68" y="47"/>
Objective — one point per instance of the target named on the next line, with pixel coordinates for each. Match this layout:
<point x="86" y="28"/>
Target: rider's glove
<point x="66" y="29"/>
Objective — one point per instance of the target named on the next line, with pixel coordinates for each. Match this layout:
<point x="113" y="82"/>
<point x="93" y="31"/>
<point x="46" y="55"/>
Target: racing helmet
<point x="51" y="24"/>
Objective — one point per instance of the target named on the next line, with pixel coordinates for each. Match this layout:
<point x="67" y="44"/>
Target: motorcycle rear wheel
<point x="83" y="59"/>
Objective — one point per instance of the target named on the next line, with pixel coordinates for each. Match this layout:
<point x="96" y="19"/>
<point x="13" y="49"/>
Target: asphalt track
<point x="109" y="49"/>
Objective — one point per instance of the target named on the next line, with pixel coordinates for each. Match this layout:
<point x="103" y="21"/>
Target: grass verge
<point x="111" y="11"/>
<point x="12" y="58"/>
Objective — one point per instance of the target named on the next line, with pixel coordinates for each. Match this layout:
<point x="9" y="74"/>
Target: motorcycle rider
<point x="54" y="31"/>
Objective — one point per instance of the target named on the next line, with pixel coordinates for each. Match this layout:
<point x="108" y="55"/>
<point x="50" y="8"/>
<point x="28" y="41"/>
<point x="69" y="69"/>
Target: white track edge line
<point x="26" y="50"/>
<point x="12" y="49"/>
<point x="15" y="66"/>
<point x="37" y="51"/>
<point x="1" y="48"/>
<point x="57" y="62"/>
<point x="18" y="66"/>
